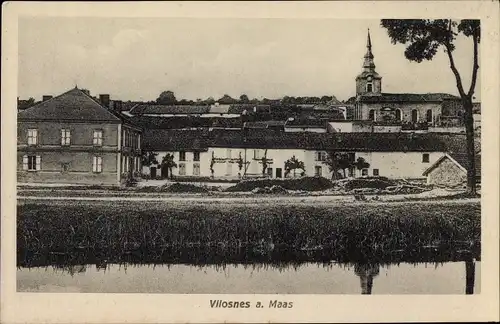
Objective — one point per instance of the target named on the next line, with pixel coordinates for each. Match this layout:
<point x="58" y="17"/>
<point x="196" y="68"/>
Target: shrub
<point x="183" y="187"/>
<point x="376" y="183"/>
<point x="305" y="183"/>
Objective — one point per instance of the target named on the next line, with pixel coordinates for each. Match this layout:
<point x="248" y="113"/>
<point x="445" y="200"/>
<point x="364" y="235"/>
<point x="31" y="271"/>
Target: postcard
<point x="167" y="162"/>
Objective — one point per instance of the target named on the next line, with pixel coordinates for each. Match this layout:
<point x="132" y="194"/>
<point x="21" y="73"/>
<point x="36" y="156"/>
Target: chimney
<point x="116" y="105"/>
<point x="104" y="99"/>
<point x="46" y="97"/>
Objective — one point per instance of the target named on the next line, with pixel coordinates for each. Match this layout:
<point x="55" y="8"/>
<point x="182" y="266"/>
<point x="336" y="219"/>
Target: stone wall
<point x="447" y="173"/>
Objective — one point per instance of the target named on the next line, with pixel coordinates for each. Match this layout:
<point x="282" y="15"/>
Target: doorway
<point x="278" y="173"/>
<point x="164" y="171"/>
<point x="153" y="172"/>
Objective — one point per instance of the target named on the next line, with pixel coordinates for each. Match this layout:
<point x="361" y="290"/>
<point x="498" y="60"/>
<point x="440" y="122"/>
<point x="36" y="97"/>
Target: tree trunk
<point x="469" y="131"/>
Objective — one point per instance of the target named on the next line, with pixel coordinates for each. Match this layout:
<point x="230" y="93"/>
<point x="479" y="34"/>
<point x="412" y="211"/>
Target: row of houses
<point x="75" y="138"/>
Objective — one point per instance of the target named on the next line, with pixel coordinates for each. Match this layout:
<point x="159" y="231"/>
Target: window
<point x="369" y="87"/>
<point x="196" y="156"/>
<point x="182" y="156"/>
<point x="32" y="136"/>
<point x="414" y="115"/>
<point x="364" y="172"/>
<point x="270" y="172"/>
<point x="375" y="172"/>
<point x="317" y="171"/>
<point x="196" y="169"/>
<point x="371" y="115"/>
<point x="425" y="158"/>
<point x="429" y="116"/>
<point x="399" y="116"/>
<point x="65" y="136"/>
<point x="256" y="154"/>
<point x="320" y="156"/>
<point x="228" y="153"/>
<point x="32" y="162"/>
<point x="97" y="138"/>
<point x="64" y="167"/>
<point x="97" y="164"/>
<point x="182" y="169"/>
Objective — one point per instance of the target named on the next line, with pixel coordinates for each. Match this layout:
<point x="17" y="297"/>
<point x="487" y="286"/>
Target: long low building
<point x="228" y="154"/>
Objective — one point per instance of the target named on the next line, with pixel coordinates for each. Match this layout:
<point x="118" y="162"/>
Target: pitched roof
<point x="178" y="122"/>
<point x="460" y="160"/>
<point x="165" y="140"/>
<point x="408" y="97"/>
<point x="174" y="140"/>
<point x="153" y="109"/>
<point x="71" y="105"/>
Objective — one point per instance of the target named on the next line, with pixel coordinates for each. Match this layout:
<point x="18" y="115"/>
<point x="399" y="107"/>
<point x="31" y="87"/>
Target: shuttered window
<point x="32" y="162"/>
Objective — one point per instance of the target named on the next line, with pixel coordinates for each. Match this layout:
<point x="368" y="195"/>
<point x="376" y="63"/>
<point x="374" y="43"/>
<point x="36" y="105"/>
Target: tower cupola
<point x="369" y="82"/>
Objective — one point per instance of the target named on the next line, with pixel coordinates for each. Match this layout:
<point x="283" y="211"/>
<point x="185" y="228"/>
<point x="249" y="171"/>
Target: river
<point x="307" y="278"/>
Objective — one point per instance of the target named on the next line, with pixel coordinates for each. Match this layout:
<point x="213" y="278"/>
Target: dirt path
<point x="333" y="200"/>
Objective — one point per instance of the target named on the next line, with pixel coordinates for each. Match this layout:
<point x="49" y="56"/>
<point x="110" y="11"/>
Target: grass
<point x="144" y="230"/>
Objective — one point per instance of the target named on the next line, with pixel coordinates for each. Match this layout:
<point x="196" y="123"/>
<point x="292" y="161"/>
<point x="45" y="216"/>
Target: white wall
<point x="276" y="159"/>
<point x="390" y="164"/>
<point x="343" y="127"/>
<point x="189" y="162"/>
<point x="399" y="164"/>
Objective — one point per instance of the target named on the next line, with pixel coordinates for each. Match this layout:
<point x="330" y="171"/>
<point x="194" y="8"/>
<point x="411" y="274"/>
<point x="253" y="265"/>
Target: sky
<point x="138" y="58"/>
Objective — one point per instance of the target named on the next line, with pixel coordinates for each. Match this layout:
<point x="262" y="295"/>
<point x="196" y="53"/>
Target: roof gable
<point x="72" y="105"/>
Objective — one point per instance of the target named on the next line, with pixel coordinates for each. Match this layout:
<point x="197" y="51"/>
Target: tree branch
<point x="452" y="65"/>
<point x="475" y="66"/>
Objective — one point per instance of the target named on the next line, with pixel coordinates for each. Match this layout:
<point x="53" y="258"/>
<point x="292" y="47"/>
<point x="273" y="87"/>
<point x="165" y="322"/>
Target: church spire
<point x="369" y="65"/>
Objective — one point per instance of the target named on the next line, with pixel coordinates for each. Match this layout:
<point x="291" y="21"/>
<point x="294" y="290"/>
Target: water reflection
<point x="303" y="278"/>
<point x="366" y="273"/>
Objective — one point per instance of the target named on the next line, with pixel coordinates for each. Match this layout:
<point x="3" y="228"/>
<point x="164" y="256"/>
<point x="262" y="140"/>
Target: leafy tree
<point x="149" y="158"/>
<point x="293" y="164"/>
<point x="226" y="99"/>
<point x="326" y="99"/>
<point x="209" y="101"/>
<point x="244" y="98"/>
<point x="338" y="161"/>
<point x="168" y="163"/>
<point x="361" y="164"/>
<point x="166" y="98"/>
<point x="424" y="38"/>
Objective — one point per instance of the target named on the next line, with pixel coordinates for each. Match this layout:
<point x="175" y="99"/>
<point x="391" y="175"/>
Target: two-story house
<point x="74" y="138"/>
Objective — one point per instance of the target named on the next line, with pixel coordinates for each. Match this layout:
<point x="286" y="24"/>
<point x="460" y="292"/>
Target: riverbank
<point x="115" y="230"/>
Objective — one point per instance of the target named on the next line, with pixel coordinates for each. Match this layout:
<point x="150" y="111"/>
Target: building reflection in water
<point x="366" y="273"/>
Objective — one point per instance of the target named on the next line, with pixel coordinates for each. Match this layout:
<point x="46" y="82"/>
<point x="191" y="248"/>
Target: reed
<point x="113" y="231"/>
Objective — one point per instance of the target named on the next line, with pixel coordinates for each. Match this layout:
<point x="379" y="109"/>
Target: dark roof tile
<point x="71" y="105"/>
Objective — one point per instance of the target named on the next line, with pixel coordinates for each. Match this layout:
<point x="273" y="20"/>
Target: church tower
<point x="368" y="82"/>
